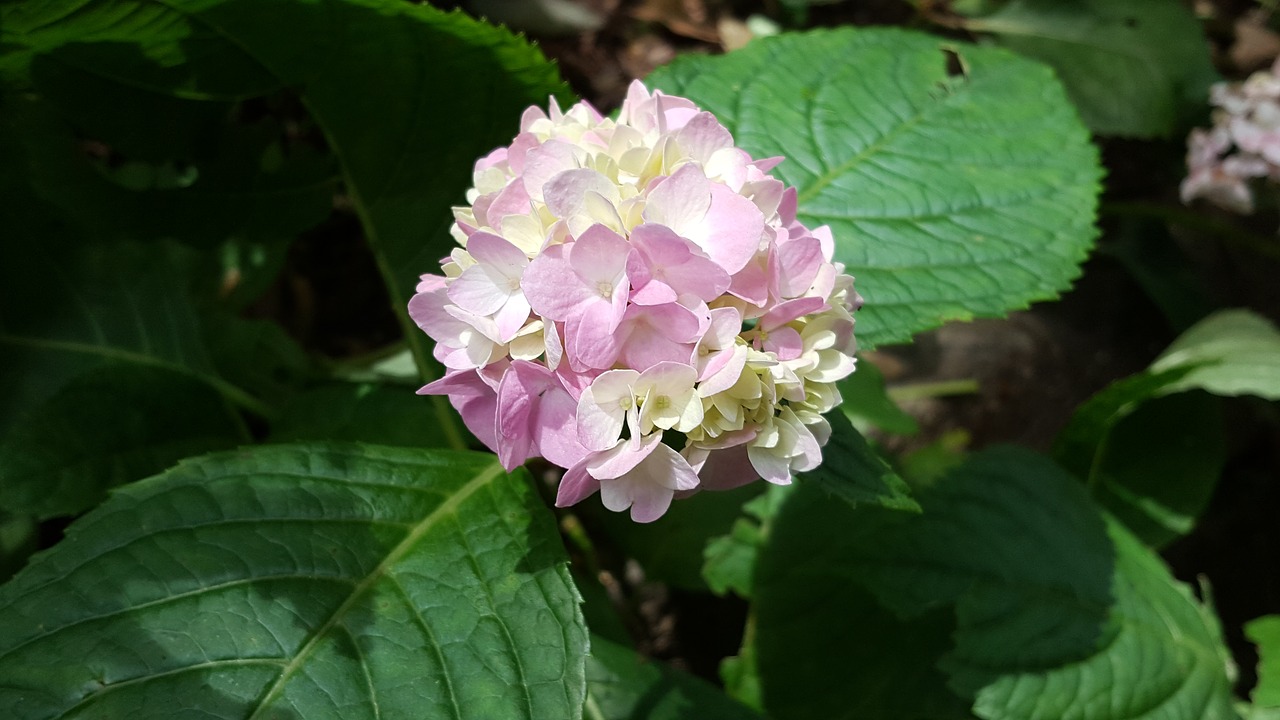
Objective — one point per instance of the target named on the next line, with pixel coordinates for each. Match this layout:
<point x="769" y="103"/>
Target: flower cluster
<point x="635" y="301"/>
<point x="1248" y="119"/>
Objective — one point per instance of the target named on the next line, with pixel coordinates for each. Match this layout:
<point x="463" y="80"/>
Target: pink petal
<point x="784" y="342"/>
<point x="591" y="343"/>
<point x="727" y="469"/>
<point x="505" y="258"/>
<point x="478" y="291"/>
<point x="545" y="162"/>
<point x="566" y="191"/>
<point x="576" y="486"/>
<point x="783" y="313"/>
<point x="622" y="457"/>
<point x="552" y="287"/>
<point x="555" y="428"/>
<point x="518" y="394"/>
<point x="751" y="283"/>
<point x="702" y="136"/>
<point x="512" y="200"/>
<point x="798" y="263"/>
<point x="511" y="317"/>
<point x="681" y="200"/>
<point x="599" y="256"/>
<point x="731" y="231"/>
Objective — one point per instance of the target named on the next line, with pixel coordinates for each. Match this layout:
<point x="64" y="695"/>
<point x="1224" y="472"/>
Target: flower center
<point x="605" y="289"/>
<point x="662" y="402"/>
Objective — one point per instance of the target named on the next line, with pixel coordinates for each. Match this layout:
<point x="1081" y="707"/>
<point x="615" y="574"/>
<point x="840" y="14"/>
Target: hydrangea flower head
<point x="635" y="301"/>
<point x="1243" y="143"/>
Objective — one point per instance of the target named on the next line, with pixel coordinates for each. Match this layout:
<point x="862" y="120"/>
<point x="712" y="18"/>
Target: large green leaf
<point x="1131" y="66"/>
<point x="364" y="412"/>
<point x="108" y="426"/>
<point x="951" y="194"/>
<point x="105" y="375"/>
<point x="1154" y="460"/>
<point x="1167" y="660"/>
<point x="406" y="96"/>
<point x="306" y="581"/>
<point x="1008" y="594"/>
<point x="625" y="686"/>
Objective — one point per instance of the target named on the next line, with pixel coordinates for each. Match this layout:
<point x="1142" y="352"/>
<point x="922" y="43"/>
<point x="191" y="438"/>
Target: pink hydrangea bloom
<point x="1244" y="142"/>
<point x="635" y="301"/>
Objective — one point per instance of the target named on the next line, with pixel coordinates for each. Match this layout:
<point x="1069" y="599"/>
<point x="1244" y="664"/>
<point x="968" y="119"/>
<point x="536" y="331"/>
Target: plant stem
<point x="920" y="391"/>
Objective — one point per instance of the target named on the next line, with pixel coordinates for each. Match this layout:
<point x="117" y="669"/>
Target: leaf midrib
<point x="446" y="508"/>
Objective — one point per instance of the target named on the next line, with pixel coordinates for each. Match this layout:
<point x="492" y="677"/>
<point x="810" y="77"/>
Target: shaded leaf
<point x="1131" y="66"/>
<point x="316" y="581"/>
<point x="852" y="471"/>
<point x="1156" y="467"/>
<point x="670" y="548"/>
<point x="927" y="615"/>
<point x="1167" y="661"/>
<point x="951" y="195"/>
<point x="365" y="412"/>
<point x="1159" y="466"/>
<point x="108" y="426"/>
<point x="625" y="686"/>
<point x="729" y="560"/>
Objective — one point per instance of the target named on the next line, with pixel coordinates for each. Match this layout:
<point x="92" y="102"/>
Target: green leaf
<point x="364" y="412"/>
<point x="111" y="425"/>
<point x="1232" y="352"/>
<point x="307" y="581"/>
<point x="1158" y="467"/>
<point x="1008" y="594"/>
<point x="1131" y="66"/>
<point x="65" y="310"/>
<point x="119" y="163"/>
<point x="729" y="560"/>
<point x="1154" y="460"/>
<point x="852" y="471"/>
<point x="1157" y="618"/>
<point x="406" y="96"/>
<point x="256" y="355"/>
<point x="19" y="535"/>
<point x="622" y="685"/>
<point x="867" y="401"/>
<point x="950" y="195"/>
<point x="670" y="548"/>
<point x="1265" y="633"/>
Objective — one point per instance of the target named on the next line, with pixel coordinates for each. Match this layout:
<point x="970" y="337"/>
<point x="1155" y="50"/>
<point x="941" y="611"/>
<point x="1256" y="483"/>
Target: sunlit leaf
<point x="302" y="581"/>
<point x="952" y="193"/>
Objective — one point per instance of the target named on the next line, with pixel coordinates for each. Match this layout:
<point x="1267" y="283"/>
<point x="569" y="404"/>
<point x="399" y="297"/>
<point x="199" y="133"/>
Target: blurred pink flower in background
<point x="1244" y="142"/>
<point x="636" y="302"/>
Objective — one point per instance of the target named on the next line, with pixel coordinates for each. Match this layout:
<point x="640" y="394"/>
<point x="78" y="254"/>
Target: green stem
<point x="1228" y="231"/>
<point x="412" y="334"/>
<point x="919" y="391"/>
